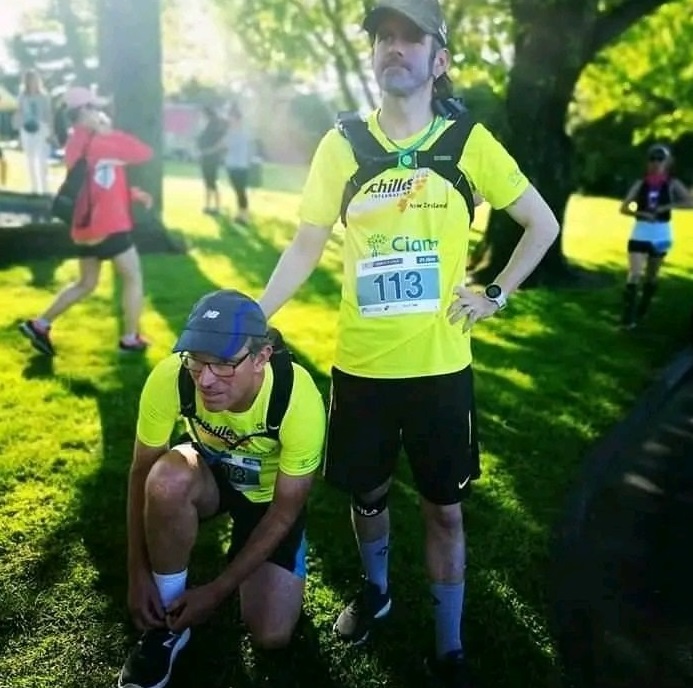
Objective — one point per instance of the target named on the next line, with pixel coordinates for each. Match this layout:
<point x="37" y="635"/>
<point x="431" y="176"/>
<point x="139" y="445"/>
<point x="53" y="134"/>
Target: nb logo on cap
<point x="212" y="315"/>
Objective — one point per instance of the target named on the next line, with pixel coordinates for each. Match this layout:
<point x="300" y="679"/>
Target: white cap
<point x="79" y="96"/>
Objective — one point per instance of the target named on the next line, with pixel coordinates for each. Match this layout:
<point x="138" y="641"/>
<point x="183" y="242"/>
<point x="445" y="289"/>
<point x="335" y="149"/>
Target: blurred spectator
<point x="102" y="223"/>
<point x="34" y="121"/>
<point x="211" y="144"/>
<point x="239" y="156"/>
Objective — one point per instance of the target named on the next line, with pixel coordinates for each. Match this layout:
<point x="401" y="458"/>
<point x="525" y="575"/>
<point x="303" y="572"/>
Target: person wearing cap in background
<point x="402" y="371"/>
<point x="650" y="201"/>
<point x="102" y="228"/>
<point x="227" y="464"/>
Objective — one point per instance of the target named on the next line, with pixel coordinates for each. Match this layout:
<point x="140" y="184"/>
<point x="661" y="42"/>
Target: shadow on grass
<point x="255" y="254"/>
<point x="43" y="272"/>
<point x="536" y="453"/>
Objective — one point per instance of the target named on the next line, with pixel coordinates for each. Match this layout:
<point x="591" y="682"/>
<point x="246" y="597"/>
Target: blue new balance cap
<point x="220" y="324"/>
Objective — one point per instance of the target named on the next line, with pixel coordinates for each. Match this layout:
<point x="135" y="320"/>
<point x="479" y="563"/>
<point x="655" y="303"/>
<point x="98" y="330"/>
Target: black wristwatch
<point x="494" y="292"/>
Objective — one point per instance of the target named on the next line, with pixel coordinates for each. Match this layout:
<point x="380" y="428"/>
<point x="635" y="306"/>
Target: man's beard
<point x="398" y="79"/>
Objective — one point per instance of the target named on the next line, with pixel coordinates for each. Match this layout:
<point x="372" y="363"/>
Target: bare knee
<point x="170" y="481"/>
<point x="376" y="495"/>
<point x="267" y="637"/>
<point x="85" y="286"/>
<point x="132" y="278"/>
<point x="443" y="519"/>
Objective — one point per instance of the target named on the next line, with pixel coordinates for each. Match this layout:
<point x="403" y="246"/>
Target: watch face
<point x="493" y="291"/>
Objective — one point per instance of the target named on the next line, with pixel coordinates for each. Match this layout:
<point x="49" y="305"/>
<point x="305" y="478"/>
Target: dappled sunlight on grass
<point x="553" y="372"/>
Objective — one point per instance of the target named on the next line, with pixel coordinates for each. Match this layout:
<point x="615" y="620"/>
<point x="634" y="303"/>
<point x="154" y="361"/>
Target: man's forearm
<point x="294" y="267"/>
<point x="528" y="253"/>
<point x="268" y="533"/>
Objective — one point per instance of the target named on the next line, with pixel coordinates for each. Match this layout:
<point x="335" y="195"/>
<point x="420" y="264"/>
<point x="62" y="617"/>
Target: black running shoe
<point x="150" y="663"/>
<point x="449" y="671"/>
<point x="354" y="624"/>
<point x="38" y="337"/>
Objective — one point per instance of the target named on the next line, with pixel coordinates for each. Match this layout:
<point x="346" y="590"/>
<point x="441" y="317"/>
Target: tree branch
<point x="333" y="15"/>
<point x="612" y="24"/>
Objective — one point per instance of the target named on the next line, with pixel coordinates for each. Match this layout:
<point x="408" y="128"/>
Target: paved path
<point x="624" y="561"/>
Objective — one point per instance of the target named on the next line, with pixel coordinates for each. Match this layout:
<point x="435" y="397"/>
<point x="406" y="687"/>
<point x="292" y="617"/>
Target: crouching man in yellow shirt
<point x="255" y="430"/>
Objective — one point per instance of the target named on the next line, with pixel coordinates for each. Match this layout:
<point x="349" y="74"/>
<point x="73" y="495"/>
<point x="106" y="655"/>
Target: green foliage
<point x="314" y="116"/>
<point x="303" y="38"/>
<point x="300" y="37"/>
<point x="607" y="162"/>
<point x="487" y="106"/>
<point x="647" y="76"/>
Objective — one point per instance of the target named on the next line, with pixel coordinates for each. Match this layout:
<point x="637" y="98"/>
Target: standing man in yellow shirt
<point x="402" y="373"/>
<point x="255" y="426"/>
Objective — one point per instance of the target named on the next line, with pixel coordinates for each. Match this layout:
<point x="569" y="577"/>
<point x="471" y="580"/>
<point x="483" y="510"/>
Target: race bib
<point x="398" y="284"/>
<point x="242" y="472"/>
<point x="105" y="175"/>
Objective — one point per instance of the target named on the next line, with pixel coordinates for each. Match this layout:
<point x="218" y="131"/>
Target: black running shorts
<point x="112" y="246"/>
<point x="433" y="418"/>
<point x="291" y="551"/>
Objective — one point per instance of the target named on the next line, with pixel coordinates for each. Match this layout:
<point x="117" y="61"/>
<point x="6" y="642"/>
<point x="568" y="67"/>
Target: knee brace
<point x="369" y="510"/>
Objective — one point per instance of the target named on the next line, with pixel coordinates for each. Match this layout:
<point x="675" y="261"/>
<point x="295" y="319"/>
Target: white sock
<point x="43" y="323"/>
<point x="129" y="338"/>
<point x="170" y="586"/>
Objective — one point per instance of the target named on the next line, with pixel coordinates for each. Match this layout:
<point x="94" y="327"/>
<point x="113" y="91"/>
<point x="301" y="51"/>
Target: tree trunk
<point x="548" y="61"/>
<point x="553" y="42"/>
<point x="73" y="40"/>
<point x="343" y="79"/>
<point x="130" y="72"/>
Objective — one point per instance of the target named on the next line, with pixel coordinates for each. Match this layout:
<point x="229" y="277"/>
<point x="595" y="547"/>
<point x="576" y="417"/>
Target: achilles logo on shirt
<point x="393" y="188"/>
<point x="221" y="432"/>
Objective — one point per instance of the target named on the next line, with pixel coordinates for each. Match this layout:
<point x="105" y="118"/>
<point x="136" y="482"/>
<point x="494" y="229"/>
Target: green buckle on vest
<point x="408" y="160"/>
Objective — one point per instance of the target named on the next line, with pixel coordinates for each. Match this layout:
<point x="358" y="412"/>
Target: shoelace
<point x="156" y="638"/>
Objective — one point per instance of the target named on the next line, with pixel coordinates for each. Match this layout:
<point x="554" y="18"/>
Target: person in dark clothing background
<point x="211" y="144"/>
<point x="650" y="201"/>
<point x="239" y="155"/>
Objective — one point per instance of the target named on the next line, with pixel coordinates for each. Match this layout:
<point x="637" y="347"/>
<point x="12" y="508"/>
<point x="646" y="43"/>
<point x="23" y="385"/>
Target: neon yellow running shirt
<point x="301" y="435"/>
<point x="405" y="250"/>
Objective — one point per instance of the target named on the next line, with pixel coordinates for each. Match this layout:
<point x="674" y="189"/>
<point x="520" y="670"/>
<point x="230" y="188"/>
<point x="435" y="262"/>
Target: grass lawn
<point x="553" y="372"/>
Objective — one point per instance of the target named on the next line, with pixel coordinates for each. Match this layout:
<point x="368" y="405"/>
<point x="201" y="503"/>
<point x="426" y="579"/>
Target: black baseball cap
<point x="658" y="151"/>
<point x="426" y="14"/>
<point x="220" y="324"/>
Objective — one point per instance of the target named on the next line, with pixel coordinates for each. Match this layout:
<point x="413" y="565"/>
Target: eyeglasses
<point x="656" y="158"/>
<point x="220" y="369"/>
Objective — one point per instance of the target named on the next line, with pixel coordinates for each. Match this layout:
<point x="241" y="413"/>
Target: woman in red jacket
<point x="102" y="224"/>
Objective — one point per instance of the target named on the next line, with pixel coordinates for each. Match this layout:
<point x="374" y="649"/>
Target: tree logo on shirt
<point x="375" y="243"/>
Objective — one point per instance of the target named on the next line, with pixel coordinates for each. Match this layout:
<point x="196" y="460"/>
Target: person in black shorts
<point x="238" y="159"/>
<point x="102" y="222"/>
<point x="211" y="144"/>
<point x="650" y="201"/>
<point x="402" y="375"/>
<point x="236" y="459"/>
